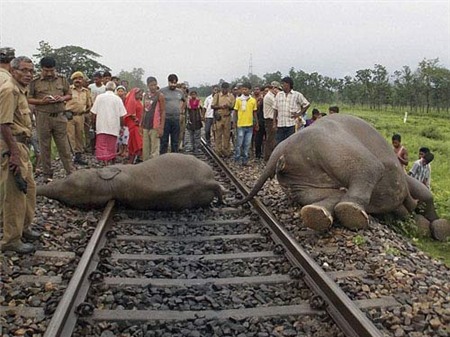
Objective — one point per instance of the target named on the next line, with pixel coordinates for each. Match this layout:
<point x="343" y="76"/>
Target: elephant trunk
<point x="269" y="172"/>
<point x="47" y="190"/>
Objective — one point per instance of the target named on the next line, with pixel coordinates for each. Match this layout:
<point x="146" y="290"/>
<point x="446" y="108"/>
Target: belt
<point x="23" y="139"/>
<point x="55" y="114"/>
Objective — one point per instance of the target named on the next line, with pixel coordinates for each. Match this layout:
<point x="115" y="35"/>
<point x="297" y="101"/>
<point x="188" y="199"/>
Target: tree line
<point x="422" y="89"/>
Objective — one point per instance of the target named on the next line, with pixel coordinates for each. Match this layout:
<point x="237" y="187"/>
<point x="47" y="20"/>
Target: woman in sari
<point x="132" y="120"/>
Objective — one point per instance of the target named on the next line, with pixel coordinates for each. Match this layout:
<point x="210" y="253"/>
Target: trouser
<point x="244" y="141"/>
<point x="270" y="138"/>
<point x="89" y="141"/>
<point x="151" y="144"/>
<point x="188" y="144"/>
<point x="222" y="141"/>
<point x="18" y="207"/>
<point x="208" y="126"/>
<point x="193" y="140"/>
<point x="284" y="132"/>
<point x="75" y="128"/>
<point x="181" y="143"/>
<point x="55" y="127"/>
<point x="259" y="140"/>
<point x="172" y="132"/>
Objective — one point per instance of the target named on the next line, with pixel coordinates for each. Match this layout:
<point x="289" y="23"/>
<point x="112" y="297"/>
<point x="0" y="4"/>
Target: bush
<point x="431" y="133"/>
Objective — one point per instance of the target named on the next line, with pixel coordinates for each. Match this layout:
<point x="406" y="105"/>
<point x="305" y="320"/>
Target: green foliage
<point x="134" y="78"/>
<point x="423" y="90"/>
<point x="439" y="250"/>
<point x="70" y="59"/>
<point x="359" y="240"/>
<point x="392" y="251"/>
<point x="431" y="133"/>
<point x="407" y="227"/>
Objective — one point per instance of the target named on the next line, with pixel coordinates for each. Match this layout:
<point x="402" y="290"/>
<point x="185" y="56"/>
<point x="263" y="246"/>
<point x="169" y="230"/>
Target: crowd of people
<point x="106" y="117"/>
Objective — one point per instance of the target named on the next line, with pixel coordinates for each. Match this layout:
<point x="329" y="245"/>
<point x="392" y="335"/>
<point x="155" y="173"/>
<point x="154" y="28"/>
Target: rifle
<point x="21" y="183"/>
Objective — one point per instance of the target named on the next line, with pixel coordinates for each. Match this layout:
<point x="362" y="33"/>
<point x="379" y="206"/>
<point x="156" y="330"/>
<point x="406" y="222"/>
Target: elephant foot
<point x="440" y="229"/>
<point x="316" y="217"/>
<point x="351" y="215"/>
<point x="423" y="225"/>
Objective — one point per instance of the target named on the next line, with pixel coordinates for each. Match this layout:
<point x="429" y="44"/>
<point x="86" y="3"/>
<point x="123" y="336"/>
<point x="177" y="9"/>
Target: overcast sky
<point x="204" y="41"/>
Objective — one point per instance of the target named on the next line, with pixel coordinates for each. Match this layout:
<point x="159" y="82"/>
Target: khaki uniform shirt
<point x="40" y="87"/>
<point x="80" y="102"/>
<point x="221" y="99"/>
<point x="14" y="108"/>
<point x="5" y="75"/>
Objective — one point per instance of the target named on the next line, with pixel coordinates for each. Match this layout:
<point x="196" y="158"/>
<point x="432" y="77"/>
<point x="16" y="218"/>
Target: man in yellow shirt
<point x="245" y="107"/>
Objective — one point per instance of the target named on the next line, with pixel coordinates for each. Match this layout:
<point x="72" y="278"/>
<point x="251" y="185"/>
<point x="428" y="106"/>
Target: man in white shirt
<point x="289" y="104"/>
<point x="96" y="89"/>
<point x="209" y="114"/>
<point x="268" y="110"/>
<point x="108" y="109"/>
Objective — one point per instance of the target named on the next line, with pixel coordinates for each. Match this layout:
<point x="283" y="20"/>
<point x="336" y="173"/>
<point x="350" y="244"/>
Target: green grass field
<point x="421" y="129"/>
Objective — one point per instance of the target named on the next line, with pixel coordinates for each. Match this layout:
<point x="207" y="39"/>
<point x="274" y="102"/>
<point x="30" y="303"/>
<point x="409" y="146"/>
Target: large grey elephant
<point x="169" y="182"/>
<point x="341" y="167"/>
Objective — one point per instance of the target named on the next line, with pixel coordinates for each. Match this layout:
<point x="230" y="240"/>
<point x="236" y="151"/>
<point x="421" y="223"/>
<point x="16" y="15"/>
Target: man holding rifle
<point x="16" y="174"/>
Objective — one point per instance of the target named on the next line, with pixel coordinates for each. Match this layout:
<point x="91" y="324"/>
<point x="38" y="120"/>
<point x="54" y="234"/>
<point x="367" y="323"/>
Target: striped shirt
<point x="288" y="104"/>
<point x="421" y="172"/>
<point x="269" y="101"/>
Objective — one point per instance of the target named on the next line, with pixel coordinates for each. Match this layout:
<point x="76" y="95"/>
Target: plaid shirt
<point x="288" y="104"/>
<point x="421" y="172"/>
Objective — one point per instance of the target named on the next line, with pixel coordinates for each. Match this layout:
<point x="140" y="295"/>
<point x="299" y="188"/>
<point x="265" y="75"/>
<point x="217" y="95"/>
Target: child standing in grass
<point x="421" y="169"/>
<point x="400" y="150"/>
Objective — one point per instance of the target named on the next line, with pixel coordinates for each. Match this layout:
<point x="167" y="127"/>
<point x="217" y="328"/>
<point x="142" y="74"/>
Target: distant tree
<point x="433" y="83"/>
<point x="134" y="78"/>
<point x="270" y="77"/>
<point x="381" y="89"/>
<point x="70" y="59"/>
<point x="404" y="88"/>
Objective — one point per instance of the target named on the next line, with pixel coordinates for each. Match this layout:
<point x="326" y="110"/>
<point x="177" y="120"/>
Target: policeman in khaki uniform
<point x="80" y="104"/>
<point x="48" y="93"/>
<point x="6" y="56"/>
<point x="16" y="178"/>
<point x="223" y="103"/>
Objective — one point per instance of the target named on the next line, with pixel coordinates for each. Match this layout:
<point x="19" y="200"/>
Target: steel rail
<point x="64" y="320"/>
<point x="349" y="318"/>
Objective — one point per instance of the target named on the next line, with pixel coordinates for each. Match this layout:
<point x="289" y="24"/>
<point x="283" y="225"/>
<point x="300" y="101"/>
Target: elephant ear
<point x="108" y="173"/>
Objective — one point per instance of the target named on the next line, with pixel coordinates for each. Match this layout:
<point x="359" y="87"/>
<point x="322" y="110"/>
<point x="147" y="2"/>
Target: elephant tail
<point x="269" y="172"/>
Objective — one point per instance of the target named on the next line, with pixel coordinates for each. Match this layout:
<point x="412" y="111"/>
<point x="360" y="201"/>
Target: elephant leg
<point x="402" y="212"/>
<point x="359" y="171"/>
<point x="351" y="215"/>
<point x="319" y="215"/>
<point x="420" y="192"/>
<point x="351" y="210"/>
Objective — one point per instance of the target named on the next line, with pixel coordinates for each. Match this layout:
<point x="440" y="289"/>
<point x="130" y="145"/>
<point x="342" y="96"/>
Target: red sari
<point x="132" y="119"/>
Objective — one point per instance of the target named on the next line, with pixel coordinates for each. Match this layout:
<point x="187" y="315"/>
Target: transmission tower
<point x="250" y="68"/>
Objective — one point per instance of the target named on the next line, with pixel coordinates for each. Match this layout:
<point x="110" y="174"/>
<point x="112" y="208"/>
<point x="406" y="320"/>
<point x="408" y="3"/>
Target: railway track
<point x="220" y="271"/>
